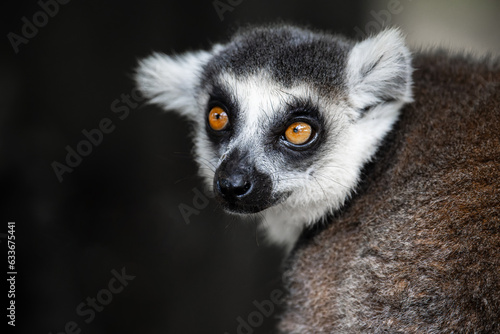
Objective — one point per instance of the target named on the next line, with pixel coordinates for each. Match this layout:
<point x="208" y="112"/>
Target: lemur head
<point x="285" y="118"/>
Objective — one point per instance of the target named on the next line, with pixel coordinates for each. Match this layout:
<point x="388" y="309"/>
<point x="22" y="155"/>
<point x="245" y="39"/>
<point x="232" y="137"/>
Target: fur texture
<point x="417" y="250"/>
<point x="265" y="78"/>
<point x="402" y="227"/>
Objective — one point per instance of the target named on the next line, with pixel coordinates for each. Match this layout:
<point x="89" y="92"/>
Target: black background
<point x="119" y="206"/>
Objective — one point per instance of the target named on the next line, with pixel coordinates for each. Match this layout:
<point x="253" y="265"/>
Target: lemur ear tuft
<point x="171" y="81"/>
<point x="379" y="70"/>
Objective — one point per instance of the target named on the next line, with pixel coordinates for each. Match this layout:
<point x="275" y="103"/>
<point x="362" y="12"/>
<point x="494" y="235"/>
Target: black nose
<point x="239" y="187"/>
<point x="233" y="186"/>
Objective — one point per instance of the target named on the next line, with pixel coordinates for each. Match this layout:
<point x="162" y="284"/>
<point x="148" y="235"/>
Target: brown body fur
<point x="417" y="250"/>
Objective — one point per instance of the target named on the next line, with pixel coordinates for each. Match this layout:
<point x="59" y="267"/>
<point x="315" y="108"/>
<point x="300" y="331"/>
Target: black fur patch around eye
<point x="221" y="98"/>
<point x="300" y="157"/>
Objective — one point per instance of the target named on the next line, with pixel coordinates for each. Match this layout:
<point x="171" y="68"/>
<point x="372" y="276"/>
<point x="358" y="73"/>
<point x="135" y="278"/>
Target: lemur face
<point x="265" y="140"/>
<point x="285" y="118"/>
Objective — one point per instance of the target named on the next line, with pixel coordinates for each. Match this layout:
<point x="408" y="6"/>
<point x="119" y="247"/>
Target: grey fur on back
<point x="417" y="250"/>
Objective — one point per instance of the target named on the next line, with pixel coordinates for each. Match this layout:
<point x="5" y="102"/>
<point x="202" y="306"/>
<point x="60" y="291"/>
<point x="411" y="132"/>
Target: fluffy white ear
<point x="379" y="70"/>
<point x="171" y="81"/>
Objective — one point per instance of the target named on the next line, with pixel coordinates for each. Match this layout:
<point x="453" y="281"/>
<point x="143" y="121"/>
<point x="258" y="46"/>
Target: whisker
<point x="333" y="180"/>
<point x="185" y="178"/>
<point x="323" y="190"/>
<point x="208" y="166"/>
<point x="334" y="166"/>
<point x="207" y="161"/>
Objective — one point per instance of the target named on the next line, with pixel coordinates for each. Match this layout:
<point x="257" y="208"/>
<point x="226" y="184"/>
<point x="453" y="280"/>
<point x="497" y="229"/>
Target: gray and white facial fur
<point x="339" y="96"/>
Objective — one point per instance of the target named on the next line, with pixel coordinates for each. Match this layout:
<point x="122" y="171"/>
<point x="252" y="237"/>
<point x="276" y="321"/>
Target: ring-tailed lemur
<point x="296" y="124"/>
<point x="285" y="118"/>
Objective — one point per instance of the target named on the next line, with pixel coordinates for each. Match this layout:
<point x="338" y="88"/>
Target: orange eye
<point x="218" y="118"/>
<point x="298" y="133"/>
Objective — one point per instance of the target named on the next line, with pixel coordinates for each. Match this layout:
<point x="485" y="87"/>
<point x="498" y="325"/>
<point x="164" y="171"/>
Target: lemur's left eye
<point x="218" y="119"/>
<point x="298" y="133"/>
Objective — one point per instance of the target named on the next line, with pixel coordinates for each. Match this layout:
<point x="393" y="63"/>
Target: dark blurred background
<point x="119" y="207"/>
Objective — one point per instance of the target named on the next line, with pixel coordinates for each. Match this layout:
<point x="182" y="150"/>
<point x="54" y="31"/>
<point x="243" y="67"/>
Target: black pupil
<point x="296" y="129"/>
<point x="217" y="116"/>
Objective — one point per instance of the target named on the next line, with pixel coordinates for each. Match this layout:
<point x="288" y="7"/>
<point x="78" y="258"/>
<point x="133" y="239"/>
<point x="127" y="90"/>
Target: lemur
<point x="384" y="164"/>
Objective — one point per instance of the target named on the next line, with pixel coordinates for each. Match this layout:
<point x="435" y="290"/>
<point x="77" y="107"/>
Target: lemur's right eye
<point x="299" y="133"/>
<point x="218" y="119"/>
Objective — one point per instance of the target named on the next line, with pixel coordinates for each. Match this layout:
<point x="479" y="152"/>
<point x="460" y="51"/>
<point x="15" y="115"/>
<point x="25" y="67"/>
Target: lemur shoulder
<point x="383" y="164"/>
